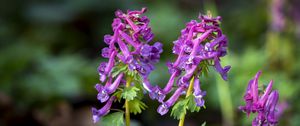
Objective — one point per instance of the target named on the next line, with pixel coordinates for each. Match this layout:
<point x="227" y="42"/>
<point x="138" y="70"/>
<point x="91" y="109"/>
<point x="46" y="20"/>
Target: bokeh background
<point x="50" y="50"/>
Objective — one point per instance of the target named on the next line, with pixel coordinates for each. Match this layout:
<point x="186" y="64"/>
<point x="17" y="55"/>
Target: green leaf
<point x="118" y="69"/>
<point x="113" y="119"/>
<point x="129" y="93"/>
<point x="136" y="106"/>
<point x="140" y="93"/>
<point x="131" y="73"/>
<point x="192" y="104"/>
<point x="179" y="109"/>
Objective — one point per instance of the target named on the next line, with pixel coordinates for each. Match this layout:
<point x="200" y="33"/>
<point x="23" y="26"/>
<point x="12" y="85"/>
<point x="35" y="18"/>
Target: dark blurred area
<point x="50" y="51"/>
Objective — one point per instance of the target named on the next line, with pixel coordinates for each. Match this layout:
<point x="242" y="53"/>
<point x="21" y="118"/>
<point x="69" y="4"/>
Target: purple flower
<point x="201" y="44"/>
<point x="129" y="47"/>
<point x="164" y="107"/>
<point x="105" y="52"/>
<point x="131" y="35"/>
<point x="97" y="114"/>
<point x="170" y="83"/>
<point x="198" y="93"/>
<point x="101" y="71"/>
<point x="251" y="95"/>
<point x="109" y="88"/>
<point x="157" y="93"/>
<point x="107" y="39"/>
<point x="223" y="71"/>
<point x="265" y="105"/>
<point x="151" y="54"/>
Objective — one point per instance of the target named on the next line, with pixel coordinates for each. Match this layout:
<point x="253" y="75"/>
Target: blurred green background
<point x="50" y="50"/>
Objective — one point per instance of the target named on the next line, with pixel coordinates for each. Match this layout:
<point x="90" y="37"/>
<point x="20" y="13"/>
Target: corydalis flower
<point x="131" y="35"/>
<point x="128" y="47"/>
<point x="198" y="93"/>
<point x="200" y="45"/>
<point x="109" y="88"/>
<point x="97" y="114"/>
<point x="265" y="104"/>
<point x="164" y="108"/>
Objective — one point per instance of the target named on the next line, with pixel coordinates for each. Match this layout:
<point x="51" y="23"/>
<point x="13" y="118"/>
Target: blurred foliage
<point x="115" y="119"/>
<point x="50" y="50"/>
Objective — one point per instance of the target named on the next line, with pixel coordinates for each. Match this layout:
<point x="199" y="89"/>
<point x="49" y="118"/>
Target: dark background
<point x="50" y="50"/>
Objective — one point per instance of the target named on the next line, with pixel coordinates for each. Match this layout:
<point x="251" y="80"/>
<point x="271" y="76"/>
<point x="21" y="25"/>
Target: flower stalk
<point x="127" y="112"/>
<point x="188" y="93"/>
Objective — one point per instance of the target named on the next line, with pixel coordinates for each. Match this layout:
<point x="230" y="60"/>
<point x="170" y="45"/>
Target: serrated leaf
<point x="140" y="93"/>
<point x="129" y="93"/>
<point x="113" y="119"/>
<point x="192" y="104"/>
<point x="136" y="106"/>
<point x="179" y="109"/>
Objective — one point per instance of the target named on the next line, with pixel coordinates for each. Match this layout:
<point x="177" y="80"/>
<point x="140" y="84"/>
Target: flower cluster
<point x="264" y="105"/>
<point x="200" y="45"/>
<point x="128" y="48"/>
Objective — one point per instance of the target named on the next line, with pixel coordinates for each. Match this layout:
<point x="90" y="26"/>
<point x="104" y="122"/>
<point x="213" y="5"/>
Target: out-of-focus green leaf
<point x="113" y="119"/>
<point x="203" y="124"/>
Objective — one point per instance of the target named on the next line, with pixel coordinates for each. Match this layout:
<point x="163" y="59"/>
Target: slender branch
<point x="127" y="112"/>
<point x="189" y="91"/>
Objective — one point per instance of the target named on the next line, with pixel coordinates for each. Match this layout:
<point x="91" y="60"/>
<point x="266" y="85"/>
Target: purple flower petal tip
<point x="158" y="94"/>
<point x="163" y="109"/>
<point x="102" y="93"/>
<point x="199" y="98"/>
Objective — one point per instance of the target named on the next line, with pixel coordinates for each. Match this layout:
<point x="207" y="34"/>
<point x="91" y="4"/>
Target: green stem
<point x="225" y="102"/>
<point x="127" y="112"/>
<point x="189" y="91"/>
